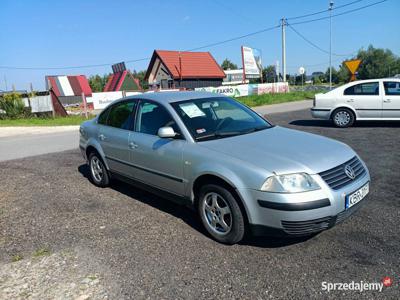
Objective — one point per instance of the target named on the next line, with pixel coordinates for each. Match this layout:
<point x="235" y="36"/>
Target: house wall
<point x="198" y="83"/>
<point x="159" y="72"/>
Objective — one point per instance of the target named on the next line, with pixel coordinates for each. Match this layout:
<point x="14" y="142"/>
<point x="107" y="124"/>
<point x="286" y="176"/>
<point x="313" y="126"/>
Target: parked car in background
<point x="233" y="166"/>
<point x="373" y="99"/>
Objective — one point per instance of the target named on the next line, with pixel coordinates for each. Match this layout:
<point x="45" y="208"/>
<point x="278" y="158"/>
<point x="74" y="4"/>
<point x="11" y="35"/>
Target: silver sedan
<point x="234" y="167"/>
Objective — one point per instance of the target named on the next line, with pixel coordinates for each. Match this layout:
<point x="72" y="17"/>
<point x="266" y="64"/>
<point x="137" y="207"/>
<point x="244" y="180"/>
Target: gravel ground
<point x="124" y="243"/>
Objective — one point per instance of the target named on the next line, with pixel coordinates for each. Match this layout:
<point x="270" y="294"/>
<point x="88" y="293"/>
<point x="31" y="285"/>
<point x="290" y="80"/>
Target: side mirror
<point x="166" y="132"/>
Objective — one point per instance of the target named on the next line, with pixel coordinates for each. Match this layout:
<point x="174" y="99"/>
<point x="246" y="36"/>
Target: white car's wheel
<point x="343" y="117"/>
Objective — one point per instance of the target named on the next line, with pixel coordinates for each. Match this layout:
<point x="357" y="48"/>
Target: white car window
<point x="363" y="89"/>
<point x="392" y="88"/>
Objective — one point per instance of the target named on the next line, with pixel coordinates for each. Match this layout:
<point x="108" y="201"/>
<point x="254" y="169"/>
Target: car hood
<point x="283" y="150"/>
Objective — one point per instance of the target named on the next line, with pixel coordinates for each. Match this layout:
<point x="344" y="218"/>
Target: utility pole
<point x="283" y="25"/>
<point x="330" y="43"/>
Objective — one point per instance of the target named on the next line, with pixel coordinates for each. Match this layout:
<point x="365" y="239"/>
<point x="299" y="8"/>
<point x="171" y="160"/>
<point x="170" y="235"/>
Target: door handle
<point x="102" y="137"/>
<point x="132" y="145"/>
<point x="387" y="100"/>
<point x="350" y="100"/>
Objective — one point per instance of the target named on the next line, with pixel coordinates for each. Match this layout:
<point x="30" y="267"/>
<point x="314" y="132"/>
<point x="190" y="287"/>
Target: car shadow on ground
<point x="360" y="124"/>
<point x="187" y="214"/>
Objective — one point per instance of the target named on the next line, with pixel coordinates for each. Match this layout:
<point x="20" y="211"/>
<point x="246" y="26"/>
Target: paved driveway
<point x="73" y="239"/>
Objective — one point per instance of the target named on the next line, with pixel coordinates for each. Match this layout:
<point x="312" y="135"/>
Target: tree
<point x="97" y="82"/>
<point x="335" y="76"/>
<point x="269" y="74"/>
<point x="377" y="63"/>
<point x="140" y="76"/>
<point x="228" y="65"/>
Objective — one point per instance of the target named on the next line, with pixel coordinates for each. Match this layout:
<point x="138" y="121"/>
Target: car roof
<point x="374" y="80"/>
<point x="176" y="96"/>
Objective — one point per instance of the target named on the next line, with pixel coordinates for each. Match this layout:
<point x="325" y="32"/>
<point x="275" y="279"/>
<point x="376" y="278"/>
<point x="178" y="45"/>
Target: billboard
<point x="251" y="59"/>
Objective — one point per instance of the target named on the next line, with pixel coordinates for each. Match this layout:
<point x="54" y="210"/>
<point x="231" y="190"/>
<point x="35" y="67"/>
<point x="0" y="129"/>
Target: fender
<point x="92" y="142"/>
<point x="224" y="173"/>
<point x="343" y="105"/>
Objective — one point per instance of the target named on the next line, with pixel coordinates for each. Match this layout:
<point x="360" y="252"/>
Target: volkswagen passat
<point x="234" y="167"/>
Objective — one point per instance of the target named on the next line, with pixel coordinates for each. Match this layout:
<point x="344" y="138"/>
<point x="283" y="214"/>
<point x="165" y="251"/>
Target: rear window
<point x="363" y="89"/>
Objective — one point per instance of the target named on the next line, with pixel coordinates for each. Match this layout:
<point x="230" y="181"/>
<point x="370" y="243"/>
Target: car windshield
<point x="213" y="118"/>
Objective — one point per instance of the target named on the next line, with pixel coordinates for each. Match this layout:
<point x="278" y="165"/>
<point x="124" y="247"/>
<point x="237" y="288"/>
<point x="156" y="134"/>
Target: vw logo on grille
<point x="349" y="171"/>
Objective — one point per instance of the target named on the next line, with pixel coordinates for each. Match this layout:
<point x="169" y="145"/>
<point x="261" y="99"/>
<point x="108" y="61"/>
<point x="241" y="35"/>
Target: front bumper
<point x="300" y="213"/>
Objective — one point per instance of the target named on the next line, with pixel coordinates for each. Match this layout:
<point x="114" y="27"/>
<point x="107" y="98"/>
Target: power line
<point x="235" y="38"/>
<point x="323" y="11"/>
<point x="340" y="14"/>
<point x="314" y="45"/>
<point x="201" y="47"/>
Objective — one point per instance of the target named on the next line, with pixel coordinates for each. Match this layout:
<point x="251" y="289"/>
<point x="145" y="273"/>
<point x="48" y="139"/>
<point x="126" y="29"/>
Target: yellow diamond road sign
<point x="353" y="65"/>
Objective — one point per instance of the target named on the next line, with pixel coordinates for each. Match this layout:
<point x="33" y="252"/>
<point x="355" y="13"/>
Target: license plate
<point x="357" y="196"/>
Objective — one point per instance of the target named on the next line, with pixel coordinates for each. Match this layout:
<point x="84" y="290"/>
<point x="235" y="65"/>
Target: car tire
<point x="343" y="117"/>
<point x="220" y="214"/>
<point x="98" y="171"/>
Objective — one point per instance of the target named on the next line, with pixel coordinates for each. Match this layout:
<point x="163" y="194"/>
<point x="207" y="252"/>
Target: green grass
<point x="57" y="121"/>
<point x="16" y="258"/>
<point x="257" y="100"/>
<point x="41" y="252"/>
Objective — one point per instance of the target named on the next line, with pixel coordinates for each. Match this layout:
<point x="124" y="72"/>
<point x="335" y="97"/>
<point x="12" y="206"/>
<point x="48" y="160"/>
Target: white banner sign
<point x="251" y="62"/>
<point x="101" y="100"/>
<point x="247" y="89"/>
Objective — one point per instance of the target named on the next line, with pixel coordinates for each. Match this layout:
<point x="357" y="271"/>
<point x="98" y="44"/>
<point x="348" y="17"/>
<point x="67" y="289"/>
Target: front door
<point x="114" y="137"/>
<point x="365" y="98"/>
<point x="391" y="100"/>
<point x="158" y="161"/>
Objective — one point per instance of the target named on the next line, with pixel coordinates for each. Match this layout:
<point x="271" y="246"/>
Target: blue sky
<point x="84" y="32"/>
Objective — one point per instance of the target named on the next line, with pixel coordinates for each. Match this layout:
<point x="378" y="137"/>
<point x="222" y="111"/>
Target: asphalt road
<point x="142" y="246"/>
<point x="24" y="145"/>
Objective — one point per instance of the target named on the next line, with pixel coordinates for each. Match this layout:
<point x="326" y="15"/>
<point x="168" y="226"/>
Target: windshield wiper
<point x="221" y="134"/>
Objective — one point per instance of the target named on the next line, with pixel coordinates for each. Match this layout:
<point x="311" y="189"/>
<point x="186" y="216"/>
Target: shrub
<point x="14" y="106"/>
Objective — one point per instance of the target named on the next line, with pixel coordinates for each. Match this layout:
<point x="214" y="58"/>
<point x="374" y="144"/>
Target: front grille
<point x="307" y="227"/>
<point x="336" y="177"/>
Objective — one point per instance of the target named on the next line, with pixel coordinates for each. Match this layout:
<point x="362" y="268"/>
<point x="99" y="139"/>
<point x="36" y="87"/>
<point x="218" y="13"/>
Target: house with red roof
<point x="183" y="69"/>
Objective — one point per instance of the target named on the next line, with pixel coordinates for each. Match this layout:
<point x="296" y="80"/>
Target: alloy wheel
<point x="217" y="213"/>
<point x="96" y="168"/>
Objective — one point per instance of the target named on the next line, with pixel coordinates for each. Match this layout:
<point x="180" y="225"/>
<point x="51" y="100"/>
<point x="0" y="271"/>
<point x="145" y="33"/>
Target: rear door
<point x="158" y="161"/>
<point x="114" y="136"/>
<point x="391" y="99"/>
<point x="365" y="98"/>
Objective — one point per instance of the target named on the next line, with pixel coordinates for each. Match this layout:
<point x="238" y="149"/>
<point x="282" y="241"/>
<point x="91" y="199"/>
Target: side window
<point x="392" y="88"/>
<point x="121" y="115"/>
<point x="151" y="117"/>
<point x="363" y="89"/>
<point x="103" y="117"/>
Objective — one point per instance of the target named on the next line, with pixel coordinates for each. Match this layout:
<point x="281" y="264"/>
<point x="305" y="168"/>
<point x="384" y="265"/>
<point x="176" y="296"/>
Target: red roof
<point x="190" y="64"/>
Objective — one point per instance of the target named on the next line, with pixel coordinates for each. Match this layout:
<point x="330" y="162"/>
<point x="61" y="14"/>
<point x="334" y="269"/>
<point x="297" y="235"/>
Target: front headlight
<point x="290" y="183"/>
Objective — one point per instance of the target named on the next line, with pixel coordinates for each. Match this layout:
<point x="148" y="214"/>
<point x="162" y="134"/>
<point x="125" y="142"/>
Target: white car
<point x="373" y="99"/>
